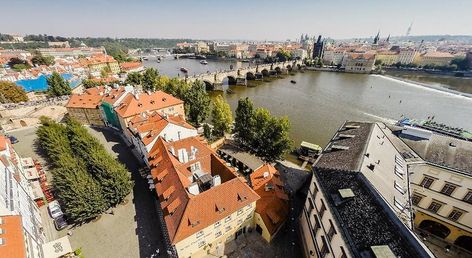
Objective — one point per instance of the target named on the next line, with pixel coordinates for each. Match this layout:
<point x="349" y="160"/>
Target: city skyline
<point x="242" y="21"/>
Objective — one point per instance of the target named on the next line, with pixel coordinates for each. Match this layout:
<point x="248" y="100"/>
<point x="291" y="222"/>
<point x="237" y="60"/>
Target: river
<point x="321" y="101"/>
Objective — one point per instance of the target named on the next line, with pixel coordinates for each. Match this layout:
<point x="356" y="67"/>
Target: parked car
<point x="60" y="222"/>
<point x="13" y="139"/>
<point x="54" y="209"/>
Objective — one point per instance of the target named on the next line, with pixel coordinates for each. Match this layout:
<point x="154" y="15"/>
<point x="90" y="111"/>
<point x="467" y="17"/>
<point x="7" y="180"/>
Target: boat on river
<point x="293" y="81"/>
<point x="183" y="69"/>
<point x="203" y="62"/>
<point x="309" y="151"/>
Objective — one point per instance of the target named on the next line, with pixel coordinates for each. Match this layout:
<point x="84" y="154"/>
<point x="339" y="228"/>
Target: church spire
<point x="388" y="38"/>
<point x="376" y="39"/>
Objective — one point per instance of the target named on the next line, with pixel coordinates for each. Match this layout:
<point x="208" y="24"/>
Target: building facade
<point x="16" y="203"/>
<point x="359" y="63"/>
<point x="357" y="190"/>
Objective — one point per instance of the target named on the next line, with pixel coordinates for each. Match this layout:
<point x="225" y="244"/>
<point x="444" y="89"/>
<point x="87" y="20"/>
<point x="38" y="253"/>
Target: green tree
<point x="57" y="86"/>
<point x="271" y="140"/>
<point x="197" y="103"/>
<point x="12" y="93"/>
<point x="39" y="59"/>
<point x="105" y="72"/>
<point x="461" y="63"/>
<point x="134" y="78"/>
<point x="283" y="55"/>
<point x="80" y="195"/>
<point x="244" y="122"/>
<point x="222" y="118"/>
<point x="150" y="79"/>
<point x="207" y="131"/>
<point x="112" y="176"/>
<point x="18" y="64"/>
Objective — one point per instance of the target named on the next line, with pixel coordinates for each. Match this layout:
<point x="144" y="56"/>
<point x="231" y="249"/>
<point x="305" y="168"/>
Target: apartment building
<point x="18" y="211"/>
<point x="407" y="55"/>
<point x="359" y="62"/>
<point x="100" y="62"/>
<point x="358" y="199"/>
<point x="72" y="52"/>
<point x="441" y="184"/>
<point x="145" y="129"/>
<point x="84" y="107"/>
<point x="387" y="57"/>
<point x="434" y="58"/>
<point x="333" y="55"/>
<point x="203" y="202"/>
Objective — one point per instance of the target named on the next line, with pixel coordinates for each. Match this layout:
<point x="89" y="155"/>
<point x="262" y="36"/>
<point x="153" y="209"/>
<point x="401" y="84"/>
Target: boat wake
<point x="428" y="87"/>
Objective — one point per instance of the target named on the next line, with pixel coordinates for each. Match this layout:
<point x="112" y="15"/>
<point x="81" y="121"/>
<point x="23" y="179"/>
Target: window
<point x="399" y="187"/>
<point x="228" y="218"/>
<point x="398" y="204"/>
<point x="200" y="234"/>
<point x="322" y="209"/>
<point x="248" y="216"/>
<point x="324" y="247"/>
<point x="310" y="205"/>
<point x="416" y="199"/>
<point x="427" y="182"/>
<point x="240" y="221"/>
<point x="468" y="197"/>
<point x="228" y="228"/>
<point x="218" y="234"/>
<point x="434" y="206"/>
<point x="217" y="224"/>
<point x="249" y="206"/>
<point x="315" y="190"/>
<point x="201" y="243"/>
<point x="455" y="215"/>
<point x="343" y="253"/>
<point x="399" y="172"/>
<point x="332" y="231"/>
<point x="317" y="224"/>
<point x="448" y="189"/>
<point x="240" y="211"/>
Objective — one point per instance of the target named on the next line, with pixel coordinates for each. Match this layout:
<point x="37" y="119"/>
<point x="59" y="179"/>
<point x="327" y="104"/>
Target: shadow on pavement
<point x="148" y="229"/>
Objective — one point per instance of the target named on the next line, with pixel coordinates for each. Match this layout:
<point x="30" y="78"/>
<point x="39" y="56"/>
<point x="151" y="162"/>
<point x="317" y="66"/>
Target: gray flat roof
<point x="245" y="157"/>
<point x="443" y="150"/>
<point x="345" y="153"/>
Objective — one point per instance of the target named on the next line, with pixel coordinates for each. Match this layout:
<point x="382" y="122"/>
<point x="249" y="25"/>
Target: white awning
<point x="57" y="248"/>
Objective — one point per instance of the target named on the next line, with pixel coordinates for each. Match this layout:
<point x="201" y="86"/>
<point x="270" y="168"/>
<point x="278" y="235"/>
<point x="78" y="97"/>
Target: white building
<point x="299" y="53"/>
<point x="16" y="199"/>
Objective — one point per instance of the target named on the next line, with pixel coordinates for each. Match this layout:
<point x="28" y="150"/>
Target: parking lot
<point x="132" y="230"/>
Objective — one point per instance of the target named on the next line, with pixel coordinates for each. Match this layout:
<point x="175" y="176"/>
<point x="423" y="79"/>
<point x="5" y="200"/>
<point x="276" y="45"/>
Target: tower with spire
<point x="376" y="39"/>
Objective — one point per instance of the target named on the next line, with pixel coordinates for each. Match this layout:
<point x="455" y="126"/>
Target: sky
<point x="238" y="19"/>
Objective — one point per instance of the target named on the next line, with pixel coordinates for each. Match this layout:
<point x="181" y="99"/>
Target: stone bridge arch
<point x="250" y="75"/>
<point x="208" y="85"/>
<point x="265" y="72"/>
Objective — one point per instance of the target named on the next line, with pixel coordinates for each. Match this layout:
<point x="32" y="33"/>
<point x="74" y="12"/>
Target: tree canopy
<point x="57" y="86"/>
<point x="263" y="134"/>
<point x="10" y="92"/>
<point x="134" y="78"/>
<point x="197" y="103"/>
<point x="222" y="118"/>
<point x="39" y="59"/>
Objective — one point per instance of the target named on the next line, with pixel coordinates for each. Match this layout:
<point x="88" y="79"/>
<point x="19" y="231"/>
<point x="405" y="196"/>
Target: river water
<point x="321" y="101"/>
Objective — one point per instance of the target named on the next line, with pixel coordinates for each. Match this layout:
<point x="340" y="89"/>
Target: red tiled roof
<point x="184" y="213"/>
<point x="130" y="65"/>
<point x="273" y="206"/>
<point x="4" y="141"/>
<point x="146" y="102"/>
<point x="14" y="242"/>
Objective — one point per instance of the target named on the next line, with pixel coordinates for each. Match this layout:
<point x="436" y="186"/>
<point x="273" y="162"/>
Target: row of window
<point x="324" y="250"/>
<point x="434" y="207"/>
<point x="447" y="189"/>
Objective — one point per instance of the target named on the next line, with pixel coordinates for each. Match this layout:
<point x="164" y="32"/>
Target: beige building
<point x="441" y="185"/>
<point x="407" y="55"/>
<point x="358" y="204"/>
<point x="434" y="58"/>
<point x="203" y="202"/>
<point x="387" y="57"/>
<point x="359" y="62"/>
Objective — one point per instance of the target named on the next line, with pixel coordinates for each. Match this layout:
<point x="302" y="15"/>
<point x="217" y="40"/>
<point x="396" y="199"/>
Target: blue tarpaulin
<point x="41" y="84"/>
